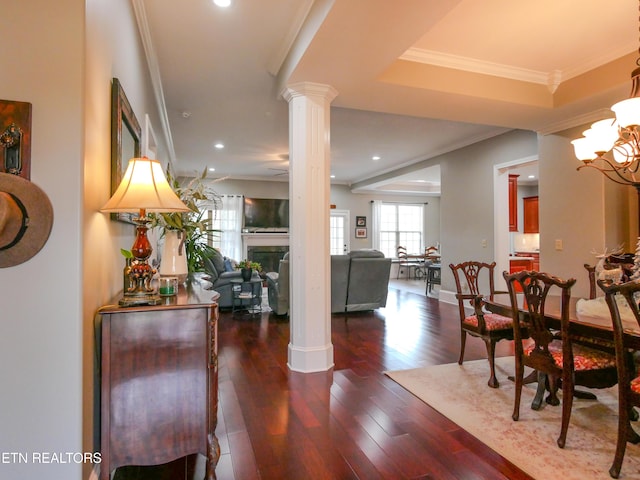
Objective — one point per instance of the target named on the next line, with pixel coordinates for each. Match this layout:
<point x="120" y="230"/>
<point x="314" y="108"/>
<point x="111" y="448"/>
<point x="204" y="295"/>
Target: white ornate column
<point x="310" y="348"/>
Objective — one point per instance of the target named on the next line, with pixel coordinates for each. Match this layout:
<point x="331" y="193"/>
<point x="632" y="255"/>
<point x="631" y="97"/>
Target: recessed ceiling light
<point x="222" y="3"/>
<point x="532" y="176"/>
<point x="211" y="169"/>
<point x="375" y="157"/>
<point x="421" y="181"/>
<point x="333" y="176"/>
<point x="219" y="146"/>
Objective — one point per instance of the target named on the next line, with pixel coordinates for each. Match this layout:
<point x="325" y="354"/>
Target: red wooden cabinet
<point x="513" y="203"/>
<point x="530" y="210"/>
<point x="159" y="382"/>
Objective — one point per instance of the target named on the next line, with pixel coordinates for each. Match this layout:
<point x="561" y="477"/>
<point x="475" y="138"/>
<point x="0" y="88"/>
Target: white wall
<point x="252" y="188"/>
<point x="113" y="49"/>
<point x="575" y="209"/>
<point x="358" y="204"/>
<point x="63" y="55"/>
<point x="467" y="202"/>
<point x="40" y="324"/>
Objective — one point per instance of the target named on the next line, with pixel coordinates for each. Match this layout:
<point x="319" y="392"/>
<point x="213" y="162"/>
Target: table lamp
<point x="143" y="188"/>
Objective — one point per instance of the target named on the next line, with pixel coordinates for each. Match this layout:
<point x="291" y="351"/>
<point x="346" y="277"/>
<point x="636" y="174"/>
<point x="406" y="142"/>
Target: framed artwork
<point x="149" y="141"/>
<point x="125" y="140"/>
<point x="361" y="221"/>
<point x="361" y="232"/>
<point x="15" y="138"/>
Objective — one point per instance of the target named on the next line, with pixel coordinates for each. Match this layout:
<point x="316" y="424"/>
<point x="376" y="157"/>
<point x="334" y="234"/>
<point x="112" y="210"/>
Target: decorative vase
<point x="246" y="274"/>
<point x="174" y="259"/>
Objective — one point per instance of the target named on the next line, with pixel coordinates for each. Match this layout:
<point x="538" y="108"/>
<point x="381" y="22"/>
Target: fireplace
<point x="267" y="256"/>
<point x="266" y="248"/>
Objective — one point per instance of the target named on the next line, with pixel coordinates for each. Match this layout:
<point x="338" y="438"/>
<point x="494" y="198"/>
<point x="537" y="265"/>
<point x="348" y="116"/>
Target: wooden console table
<point x="159" y="380"/>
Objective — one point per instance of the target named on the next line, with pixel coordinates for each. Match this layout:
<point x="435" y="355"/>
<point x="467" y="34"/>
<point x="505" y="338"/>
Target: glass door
<point x="338" y="232"/>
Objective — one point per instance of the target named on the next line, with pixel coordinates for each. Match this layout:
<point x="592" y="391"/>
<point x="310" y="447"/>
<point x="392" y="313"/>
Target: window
<point x="228" y="220"/>
<point x="400" y="224"/>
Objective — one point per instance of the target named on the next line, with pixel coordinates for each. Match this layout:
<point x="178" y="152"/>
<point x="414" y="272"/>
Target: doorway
<point x="338" y="228"/>
<point x="504" y="239"/>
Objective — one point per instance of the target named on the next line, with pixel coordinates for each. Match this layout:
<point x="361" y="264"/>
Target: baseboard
<point x="447" y="296"/>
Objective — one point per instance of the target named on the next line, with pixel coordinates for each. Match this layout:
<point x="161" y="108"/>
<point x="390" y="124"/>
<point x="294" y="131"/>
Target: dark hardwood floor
<point x="350" y="423"/>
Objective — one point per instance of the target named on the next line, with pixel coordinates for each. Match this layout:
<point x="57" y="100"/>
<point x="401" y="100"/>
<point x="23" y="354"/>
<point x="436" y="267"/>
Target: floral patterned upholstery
<point x="635" y="384"/>
<point x="493" y="321"/>
<point x="584" y="358"/>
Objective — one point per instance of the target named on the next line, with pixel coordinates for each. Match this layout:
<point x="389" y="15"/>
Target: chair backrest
<point x="431" y="250"/>
<point x="535" y="287"/>
<point x="401" y="252"/>
<point x="472" y="273"/>
<point x="591" y="271"/>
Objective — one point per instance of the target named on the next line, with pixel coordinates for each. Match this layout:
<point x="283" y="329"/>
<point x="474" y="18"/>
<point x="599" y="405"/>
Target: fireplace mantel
<point x="270" y="239"/>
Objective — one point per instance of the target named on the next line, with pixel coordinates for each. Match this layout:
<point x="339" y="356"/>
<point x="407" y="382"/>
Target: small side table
<point x="247" y="295"/>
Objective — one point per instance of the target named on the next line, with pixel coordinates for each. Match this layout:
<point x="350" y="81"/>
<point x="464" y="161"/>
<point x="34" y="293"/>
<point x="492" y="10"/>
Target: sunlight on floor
<point x="404" y="326"/>
<point x="413" y="286"/>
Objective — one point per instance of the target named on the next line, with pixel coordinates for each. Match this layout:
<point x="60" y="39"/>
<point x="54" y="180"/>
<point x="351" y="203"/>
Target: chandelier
<point x="612" y="146"/>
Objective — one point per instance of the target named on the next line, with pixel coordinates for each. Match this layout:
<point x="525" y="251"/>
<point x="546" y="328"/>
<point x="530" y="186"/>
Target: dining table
<point x="589" y="319"/>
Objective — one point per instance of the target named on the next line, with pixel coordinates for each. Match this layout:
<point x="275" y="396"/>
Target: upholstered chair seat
<point x="492" y="321"/>
<point x="584" y="358"/>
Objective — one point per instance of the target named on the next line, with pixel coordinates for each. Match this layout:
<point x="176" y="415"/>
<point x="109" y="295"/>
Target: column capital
<point x="309" y="89"/>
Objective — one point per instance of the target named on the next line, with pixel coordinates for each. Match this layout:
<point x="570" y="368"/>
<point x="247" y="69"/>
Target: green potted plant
<point x="187" y="235"/>
<point x="247" y="267"/>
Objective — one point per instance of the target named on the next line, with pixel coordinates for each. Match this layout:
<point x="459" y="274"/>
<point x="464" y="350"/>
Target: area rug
<point x="460" y="393"/>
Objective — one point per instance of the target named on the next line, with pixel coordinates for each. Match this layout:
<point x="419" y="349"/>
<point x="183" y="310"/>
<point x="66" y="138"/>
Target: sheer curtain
<point x="376" y="216"/>
<point x="229" y="222"/>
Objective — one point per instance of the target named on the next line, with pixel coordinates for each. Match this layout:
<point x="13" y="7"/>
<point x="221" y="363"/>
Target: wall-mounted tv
<point x="266" y="213"/>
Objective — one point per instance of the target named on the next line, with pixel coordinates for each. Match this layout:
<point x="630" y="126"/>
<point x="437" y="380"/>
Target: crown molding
<point x="458" y="62"/>
<point x="575" y="121"/>
<point x="277" y="59"/>
<point x="551" y="79"/>
<point x="154" y="73"/>
<point x="385" y="175"/>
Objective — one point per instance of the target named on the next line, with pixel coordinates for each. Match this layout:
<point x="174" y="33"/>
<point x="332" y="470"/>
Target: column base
<point x="309" y="360"/>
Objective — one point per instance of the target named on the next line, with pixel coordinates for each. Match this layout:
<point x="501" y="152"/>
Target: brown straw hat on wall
<point x="26" y="217"/>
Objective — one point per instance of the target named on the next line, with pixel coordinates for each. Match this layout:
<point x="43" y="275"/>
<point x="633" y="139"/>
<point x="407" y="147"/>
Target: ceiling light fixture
<point x="375" y="157"/>
<point x="219" y="146"/>
<point x="612" y="146"/>
<point x="222" y="3"/>
<point x="211" y="169"/>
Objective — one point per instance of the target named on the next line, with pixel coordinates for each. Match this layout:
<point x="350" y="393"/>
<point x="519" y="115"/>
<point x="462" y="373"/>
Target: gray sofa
<point x="278" y="287"/>
<point x="359" y="281"/>
<point x="221" y="270"/>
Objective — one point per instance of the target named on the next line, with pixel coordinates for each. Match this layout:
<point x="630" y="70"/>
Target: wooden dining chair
<point x="404" y="261"/>
<point x="591" y="272"/>
<point x="555" y="359"/>
<point x="430" y="257"/>
<point x="628" y="378"/>
<point x="490" y="327"/>
<point x="620" y="265"/>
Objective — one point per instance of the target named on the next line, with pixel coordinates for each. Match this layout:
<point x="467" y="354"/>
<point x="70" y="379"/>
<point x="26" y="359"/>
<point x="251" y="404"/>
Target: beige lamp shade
<point x="144" y="186"/>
